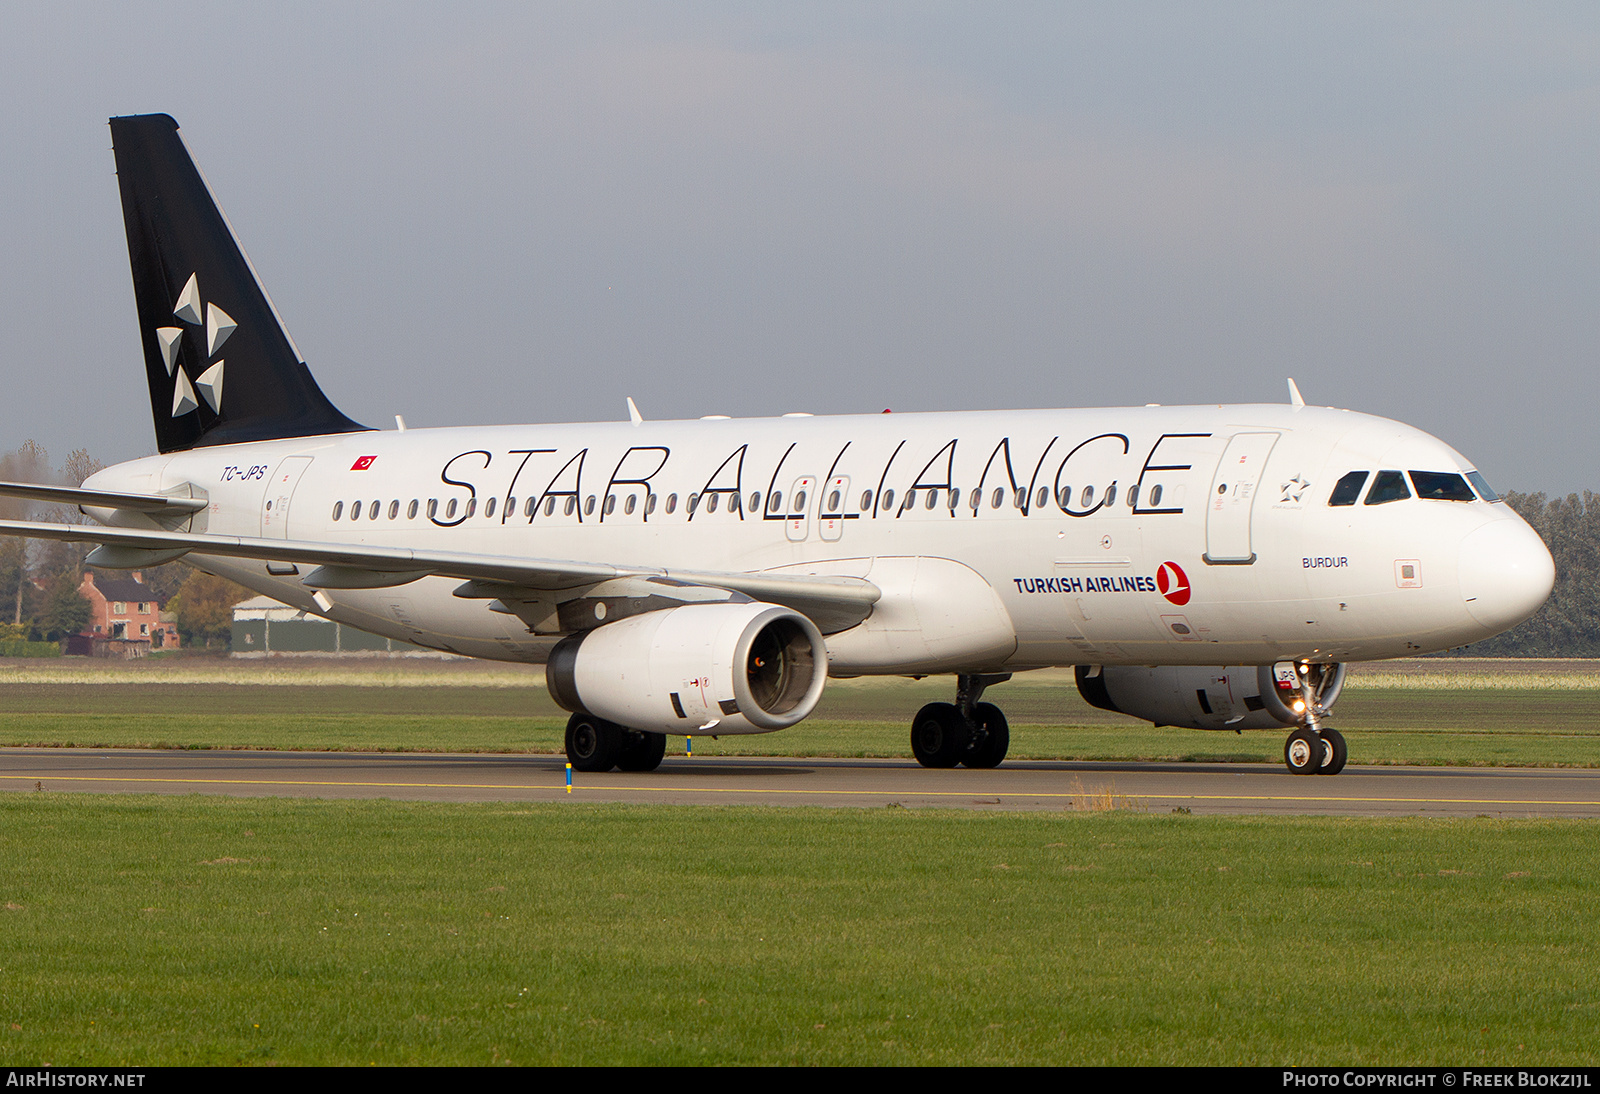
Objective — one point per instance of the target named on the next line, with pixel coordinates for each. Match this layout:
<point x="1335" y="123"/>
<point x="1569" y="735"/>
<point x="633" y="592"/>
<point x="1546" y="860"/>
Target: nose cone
<point x="1506" y="573"/>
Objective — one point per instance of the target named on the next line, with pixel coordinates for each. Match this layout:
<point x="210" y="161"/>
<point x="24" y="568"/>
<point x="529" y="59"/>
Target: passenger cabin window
<point x="672" y="503"/>
<point x="338" y="510"/>
<point x="998" y="498"/>
<point x="1441" y="486"/>
<point x="1347" y="491"/>
<point x="1388" y="486"/>
<point x="472" y="506"/>
<point x="372" y="513"/>
<point x="888" y="500"/>
<point x="433" y="508"/>
<point x="588" y="506"/>
<point x="629" y="505"/>
<point x="411" y="510"/>
<point x="450" y="509"/>
<point x="488" y="507"/>
<point x="394" y="509"/>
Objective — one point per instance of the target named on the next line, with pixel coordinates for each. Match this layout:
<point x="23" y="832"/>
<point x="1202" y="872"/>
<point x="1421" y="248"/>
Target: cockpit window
<point x="1388" y="486"/>
<point x="1348" y="489"/>
<point x="1482" y="486"/>
<point x="1441" y="486"/>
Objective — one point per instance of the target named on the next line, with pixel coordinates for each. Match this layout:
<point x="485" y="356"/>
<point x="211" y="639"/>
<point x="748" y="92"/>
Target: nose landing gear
<point x="1309" y="752"/>
<point x="964" y="732"/>
<point x="1314" y="749"/>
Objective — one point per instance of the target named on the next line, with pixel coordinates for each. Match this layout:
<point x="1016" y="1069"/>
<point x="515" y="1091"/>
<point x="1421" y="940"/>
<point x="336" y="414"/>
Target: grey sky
<point x="489" y="213"/>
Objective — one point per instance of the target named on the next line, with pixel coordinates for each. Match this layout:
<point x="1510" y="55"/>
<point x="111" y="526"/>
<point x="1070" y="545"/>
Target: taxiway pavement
<point x="1019" y="784"/>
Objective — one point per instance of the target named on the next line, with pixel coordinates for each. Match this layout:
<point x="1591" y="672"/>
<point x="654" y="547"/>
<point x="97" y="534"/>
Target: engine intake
<point x="734" y="668"/>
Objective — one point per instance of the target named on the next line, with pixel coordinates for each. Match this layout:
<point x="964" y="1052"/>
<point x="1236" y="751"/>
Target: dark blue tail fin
<point x="221" y="367"/>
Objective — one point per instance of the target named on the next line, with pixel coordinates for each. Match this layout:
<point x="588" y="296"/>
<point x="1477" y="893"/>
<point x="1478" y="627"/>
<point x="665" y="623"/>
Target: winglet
<point x="633" y="412"/>
<point x="1295" y="398"/>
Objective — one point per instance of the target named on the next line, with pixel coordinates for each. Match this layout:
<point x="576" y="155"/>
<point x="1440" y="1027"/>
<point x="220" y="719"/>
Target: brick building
<point x="126" y="609"/>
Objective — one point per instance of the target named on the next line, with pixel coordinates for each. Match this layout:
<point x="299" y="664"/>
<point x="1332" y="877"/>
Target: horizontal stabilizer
<point x="102" y="499"/>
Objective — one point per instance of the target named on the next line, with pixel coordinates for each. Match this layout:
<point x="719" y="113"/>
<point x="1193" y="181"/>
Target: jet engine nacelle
<point x="1209" y="696"/>
<point x="701" y="668"/>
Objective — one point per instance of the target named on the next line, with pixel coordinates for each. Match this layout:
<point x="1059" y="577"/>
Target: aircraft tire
<point x="1334" y="752"/>
<point x="593" y="744"/>
<point x="939" y="735"/>
<point x="1302" y="752"/>
<point x="642" y="751"/>
<point x="994" y="739"/>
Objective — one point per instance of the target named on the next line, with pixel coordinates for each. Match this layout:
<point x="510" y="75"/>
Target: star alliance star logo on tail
<point x="218" y="326"/>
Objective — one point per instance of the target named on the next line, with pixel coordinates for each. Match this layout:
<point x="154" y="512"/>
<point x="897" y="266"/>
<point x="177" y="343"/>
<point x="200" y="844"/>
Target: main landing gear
<point x="594" y="744"/>
<point x="1314" y="749"/>
<point x="964" y="732"/>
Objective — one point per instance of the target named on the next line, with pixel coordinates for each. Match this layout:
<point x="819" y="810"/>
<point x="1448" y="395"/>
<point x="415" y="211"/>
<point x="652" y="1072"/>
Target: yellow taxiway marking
<point x="1022" y="794"/>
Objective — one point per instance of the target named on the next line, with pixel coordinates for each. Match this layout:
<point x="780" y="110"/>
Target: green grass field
<point x="145" y="930"/>
<point x="1413" y="717"/>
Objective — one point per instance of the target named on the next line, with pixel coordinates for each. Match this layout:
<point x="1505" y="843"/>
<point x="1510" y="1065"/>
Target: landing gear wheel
<point x="593" y="744"/>
<point x="642" y="751"/>
<point x="939" y="736"/>
<point x="1334" y="752"/>
<point x="1303" y="752"/>
<point x="989" y="746"/>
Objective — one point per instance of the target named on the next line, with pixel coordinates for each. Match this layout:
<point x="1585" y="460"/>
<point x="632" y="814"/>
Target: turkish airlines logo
<point x="362" y="463"/>
<point x="1173" y="583"/>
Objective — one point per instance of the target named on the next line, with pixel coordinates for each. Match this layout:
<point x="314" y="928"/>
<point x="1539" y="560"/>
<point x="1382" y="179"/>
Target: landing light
<point x="1299" y="706"/>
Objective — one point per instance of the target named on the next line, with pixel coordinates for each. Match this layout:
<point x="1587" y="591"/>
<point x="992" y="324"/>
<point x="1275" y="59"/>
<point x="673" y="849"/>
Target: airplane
<point x="1213" y="567"/>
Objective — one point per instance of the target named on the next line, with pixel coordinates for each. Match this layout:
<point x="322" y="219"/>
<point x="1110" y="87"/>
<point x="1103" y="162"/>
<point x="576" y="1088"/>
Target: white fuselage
<point x="1191" y="535"/>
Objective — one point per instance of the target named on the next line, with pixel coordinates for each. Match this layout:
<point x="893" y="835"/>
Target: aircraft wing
<point x="840" y="602"/>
